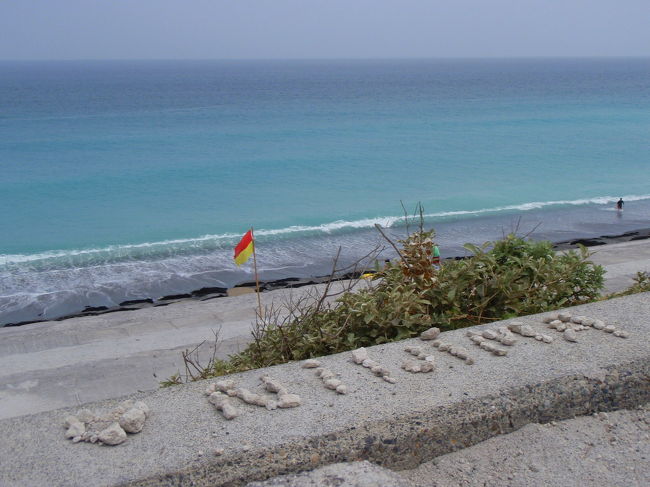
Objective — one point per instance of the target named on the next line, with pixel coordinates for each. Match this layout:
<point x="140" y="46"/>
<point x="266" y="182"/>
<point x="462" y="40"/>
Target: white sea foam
<point x="224" y="240"/>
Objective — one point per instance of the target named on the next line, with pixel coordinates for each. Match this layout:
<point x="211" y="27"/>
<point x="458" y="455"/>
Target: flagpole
<point x="257" y="279"/>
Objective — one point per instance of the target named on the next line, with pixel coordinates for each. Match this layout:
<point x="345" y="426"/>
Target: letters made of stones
<point x="109" y="429"/>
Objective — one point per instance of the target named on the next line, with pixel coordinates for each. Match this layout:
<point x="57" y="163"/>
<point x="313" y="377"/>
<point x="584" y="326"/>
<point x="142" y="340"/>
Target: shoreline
<point x="209" y="293"/>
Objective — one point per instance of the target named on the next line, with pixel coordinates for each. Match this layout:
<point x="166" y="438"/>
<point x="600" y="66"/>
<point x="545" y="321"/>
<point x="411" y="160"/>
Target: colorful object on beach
<point x="244" y="248"/>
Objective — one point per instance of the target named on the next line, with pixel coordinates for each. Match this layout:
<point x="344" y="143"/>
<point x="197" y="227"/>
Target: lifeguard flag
<point x="244" y="248"/>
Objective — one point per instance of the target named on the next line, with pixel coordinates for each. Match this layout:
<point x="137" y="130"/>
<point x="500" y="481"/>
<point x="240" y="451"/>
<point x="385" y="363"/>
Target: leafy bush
<point x="507" y="278"/>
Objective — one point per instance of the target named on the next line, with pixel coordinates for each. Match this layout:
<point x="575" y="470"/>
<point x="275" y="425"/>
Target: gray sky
<point x="218" y="29"/>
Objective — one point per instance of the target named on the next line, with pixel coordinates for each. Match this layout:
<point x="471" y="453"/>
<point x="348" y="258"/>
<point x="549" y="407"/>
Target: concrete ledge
<point x="398" y="426"/>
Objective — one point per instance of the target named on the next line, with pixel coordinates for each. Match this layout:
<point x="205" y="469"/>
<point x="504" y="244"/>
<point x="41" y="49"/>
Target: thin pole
<point x="257" y="279"/>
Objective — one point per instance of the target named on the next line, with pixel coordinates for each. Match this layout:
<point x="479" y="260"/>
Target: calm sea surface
<point x="123" y="180"/>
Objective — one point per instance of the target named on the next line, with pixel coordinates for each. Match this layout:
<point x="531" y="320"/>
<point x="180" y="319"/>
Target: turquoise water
<point x="122" y="180"/>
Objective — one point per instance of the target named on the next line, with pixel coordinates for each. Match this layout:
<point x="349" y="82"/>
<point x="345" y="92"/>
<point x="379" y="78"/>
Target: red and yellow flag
<point x="244" y="248"/>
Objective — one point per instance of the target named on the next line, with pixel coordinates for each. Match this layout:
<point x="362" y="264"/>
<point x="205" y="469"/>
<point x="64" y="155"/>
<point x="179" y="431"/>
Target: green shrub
<point x="507" y="278"/>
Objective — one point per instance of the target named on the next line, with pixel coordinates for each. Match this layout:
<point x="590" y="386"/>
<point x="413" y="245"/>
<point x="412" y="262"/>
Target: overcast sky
<point x="261" y="29"/>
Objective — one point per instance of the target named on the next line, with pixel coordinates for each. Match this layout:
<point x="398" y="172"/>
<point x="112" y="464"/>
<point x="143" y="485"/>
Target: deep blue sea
<point x="124" y="180"/>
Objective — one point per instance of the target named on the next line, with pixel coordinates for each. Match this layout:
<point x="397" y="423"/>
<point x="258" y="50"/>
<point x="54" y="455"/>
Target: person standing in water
<point x="619" y="204"/>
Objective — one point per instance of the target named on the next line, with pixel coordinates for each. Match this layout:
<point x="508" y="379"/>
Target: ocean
<point x="130" y="179"/>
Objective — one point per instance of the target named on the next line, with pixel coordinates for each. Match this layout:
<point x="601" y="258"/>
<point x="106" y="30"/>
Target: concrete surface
<point x="49" y="365"/>
<point x="604" y="449"/>
<point x="399" y="426"/>
<point x="608" y="449"/>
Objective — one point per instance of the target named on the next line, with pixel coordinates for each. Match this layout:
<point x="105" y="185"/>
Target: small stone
<point x="133" y="420"/>
<point x="342" y="389"/>
<point x="538" y="338"/>
<point x="443" y="347"/>
<point x="436" y="343"/>
<point x="533" y="467"/>
<point x="477" y="339"/>
<point x="310" y="364"/>
<point x="598" y="324"/>
<point x="489" y="334"/>
<point x="332" y="383"/>
<point x="588" y="321"/>
<point x="368" y="363"/>
<point x="554" y="324"/>
<point x="515" y="327"/>
<point x="508" y="340"/>
<point x="113" y="435"/>
<point x="289" y="401"/>
<point x="427" y="367"/>
<point x="210" y="389"/>
<point x="547" y="339"/>
<point x="527" y="331"/>
<point x="561" y="327"/>
<point x="499" y="352"/>
<point x="469" y="361"/>
<point x="414" y="350"/>
<point x="389" y="379"/>
<point x="430" y="334"/>
<point x="200" y="453"/>
<point x="326" y="374"/>
<point x="218" y="452"/>
<point x="430" y="358"/>
<point x="570" y="335"/>
<point x="75" y="429"/>
<point x="359" y="355"/>
<point x="142" y="406"/>
<point x="69" y="421"/>
<point x="609" y="329"/>
<point x="578" y="319"/>
<point x="86" y="416"/>
<point x="621" y="334"/>
<point x="225" y="385"/>
<point x="76" y="439"/>
<point x="564" y="317"/>
<point x="229" y="411"/>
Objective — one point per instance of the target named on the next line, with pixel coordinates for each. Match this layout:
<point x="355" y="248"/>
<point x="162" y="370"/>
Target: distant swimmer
<point x="619" y="204"/>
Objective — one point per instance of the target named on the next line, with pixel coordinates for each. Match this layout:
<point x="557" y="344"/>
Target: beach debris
<point x="360" y="357"/>
<point x="430" y="334"/>
<point x="330" y="381"/>
<point x="310" y="364"/>
<point x="222" y="403"/>
<point x="285" y="399"/>
<point x="108" y="429"/>
<point x="454" y="350"/>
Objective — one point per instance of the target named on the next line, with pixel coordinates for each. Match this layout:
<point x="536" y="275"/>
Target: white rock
<point x="218" y="452"/>
<point x="310" y="364"/>
<point x="570" y="335"/>
<point x="389" y="379"/>
<point x="561" y="327"/>
<point x="113" y="435"/>
<point x="549" y="318"/>
<point x="86" y="416"/>
<point x="500" y="352"/>
<point x="621" y="334"/>
<point x="430" y="358"/>
<point x="538" y="338"/>
<point x="359" y="355"/>
<point x="436" y="343"/>
<point x="133" y="420"/>
<point x="430" y="334"/>
<point x="225" y="385"/>
<point x="588" y="321"/>
<point x="229" y="411"/>
<point x="598" y="324"/>
<point x="515" y="326"/>
<point x="327" y="374"/>
<point x="489" y="334"/>
<point x="547" y="339"/>
<point x="332" y="383"/>
<point x="143" y="407"/>
<point x="426" y="367"/>
<point x="342" y="389"/>
<point x="609" y="329"/>
<point x="75" y="429"/>
<point x="469" y="361"/>
<point x="231" y="392"/>
<point x="210" y="389"/>
<point x="70" y="420"/>
<point x="273" y="385"/>
<point x="564" y="316"/>
<point x="527" y="331"/>
<point x="369" y="364"/>
<point x="289" y="401"/>
<point x="508" y="340"/>
<point x="414" y="350"/>
<point x="477" y="339"/>
<point x="443" y="347"/>
<point x="471" y="333"/>
<point x="554" y="324"/>
<point x="422" y="356"/>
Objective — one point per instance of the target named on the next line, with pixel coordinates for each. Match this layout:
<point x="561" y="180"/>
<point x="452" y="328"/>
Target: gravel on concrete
<point x="606" y="449"/>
